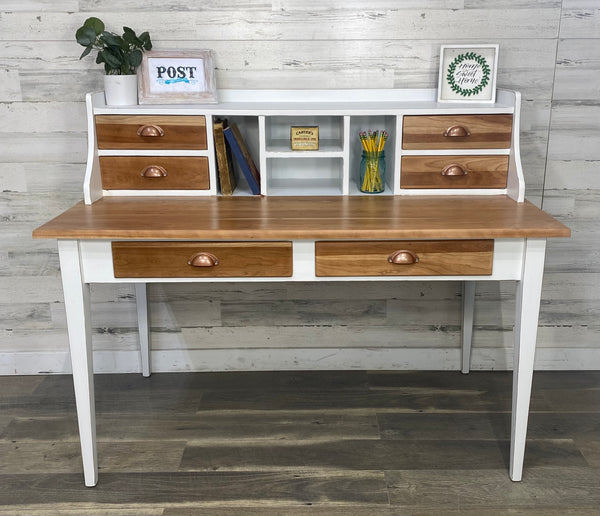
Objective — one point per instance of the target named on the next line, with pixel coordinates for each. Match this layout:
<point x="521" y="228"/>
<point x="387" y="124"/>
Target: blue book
<point x="242" y="156"/>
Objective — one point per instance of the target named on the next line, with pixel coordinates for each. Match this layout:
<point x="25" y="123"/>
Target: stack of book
<point x="228" y="141"/>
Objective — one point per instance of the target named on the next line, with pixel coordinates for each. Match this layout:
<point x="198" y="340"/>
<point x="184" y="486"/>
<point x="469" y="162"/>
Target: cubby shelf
<point x="265" y="119"/>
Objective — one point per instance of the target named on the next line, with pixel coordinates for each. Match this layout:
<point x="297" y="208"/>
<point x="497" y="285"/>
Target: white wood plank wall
<point x="549" y="50"/>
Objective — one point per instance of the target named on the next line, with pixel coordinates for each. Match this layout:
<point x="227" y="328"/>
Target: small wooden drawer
<point x="154" y="173"/>
<point x="404" y="258"/>
<point x="457" y="132"/>
<point x="151" y="132"/>
<point x="454" y="172"/>
<point x="201" y="259"/>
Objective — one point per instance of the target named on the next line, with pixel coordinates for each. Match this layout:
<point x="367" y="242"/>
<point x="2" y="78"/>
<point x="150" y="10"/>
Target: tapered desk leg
<point x="529" y="291"/>
<point x="141" y="298"/>
<point x="77" y="306"/>
<point x="468" y="307"/>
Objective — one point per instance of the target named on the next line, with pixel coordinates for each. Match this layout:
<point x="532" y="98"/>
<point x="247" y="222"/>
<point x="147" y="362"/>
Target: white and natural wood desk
<point x="311" y="223"/>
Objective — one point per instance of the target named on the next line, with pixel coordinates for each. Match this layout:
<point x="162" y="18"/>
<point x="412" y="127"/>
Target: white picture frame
<point x="468" y="73"/>
<point x="177" y="77"/>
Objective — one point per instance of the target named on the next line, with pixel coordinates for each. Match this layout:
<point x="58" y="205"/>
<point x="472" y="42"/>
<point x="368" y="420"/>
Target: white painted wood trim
<point x="452" y="191"/>
<point x="453" y="152"/>
<point x="114" y="361"/>
<point x="516" y="182"/>
<point x="262" y="157"/>
<point x="141" y="301"/>
<point x="77" y="307"/>
<point x="346" y="156"/>
<point x="398" y="153"/>
<point x="156" y="152"/>
<point x="468" y="309"/>
<point x="212" y="159"/>
<point x="92" y="183"/>
<point x="529" y="291"/>
<point x="157" y="193"/>
<point x="290" y="102"/>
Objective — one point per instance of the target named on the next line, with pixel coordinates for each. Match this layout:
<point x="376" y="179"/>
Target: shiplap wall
<point x="549" y="50"/>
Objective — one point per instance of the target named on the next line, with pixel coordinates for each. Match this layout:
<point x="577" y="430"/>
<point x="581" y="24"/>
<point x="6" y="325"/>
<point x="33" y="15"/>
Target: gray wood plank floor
<point x="302" y="444"/>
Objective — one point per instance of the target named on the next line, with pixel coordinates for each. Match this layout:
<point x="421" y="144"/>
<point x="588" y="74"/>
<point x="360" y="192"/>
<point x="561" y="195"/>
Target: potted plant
<point x="121" y="56"/>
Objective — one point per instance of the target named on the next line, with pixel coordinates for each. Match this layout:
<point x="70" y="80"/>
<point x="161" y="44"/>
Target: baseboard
<point x="442" y="359"/>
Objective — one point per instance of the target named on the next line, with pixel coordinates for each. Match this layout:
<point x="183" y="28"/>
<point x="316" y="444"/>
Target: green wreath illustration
<point x="485" y="79"/>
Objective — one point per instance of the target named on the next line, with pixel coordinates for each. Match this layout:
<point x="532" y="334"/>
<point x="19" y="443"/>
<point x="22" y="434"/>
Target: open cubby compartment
<point x="277" y="133"/>
<point x="359" y="124"/>
<point x="248" y="126"/>
<point x="304" y="176"/>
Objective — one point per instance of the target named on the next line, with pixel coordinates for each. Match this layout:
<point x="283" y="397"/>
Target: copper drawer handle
<point x="403" y="257"/>
<point x="203" y="260"/>
<point x="456" y="131"/>
<point x="151" y="131"/>
<point x="453" y="170"/>
<point x="154" y="171"/>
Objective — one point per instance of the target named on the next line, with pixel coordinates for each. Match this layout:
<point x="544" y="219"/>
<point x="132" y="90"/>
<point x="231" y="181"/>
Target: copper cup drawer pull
<point x="456" y="131"/>
<point x="154" y="171"/>
<point x="454" y="170"/>
<point x="403" y="257"/>
<point x="203" y="260"/>
<point x="151" y="131"/>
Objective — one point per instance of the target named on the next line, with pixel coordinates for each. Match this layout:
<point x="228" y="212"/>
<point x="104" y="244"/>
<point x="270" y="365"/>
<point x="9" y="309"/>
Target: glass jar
<point x="372" y="172"/>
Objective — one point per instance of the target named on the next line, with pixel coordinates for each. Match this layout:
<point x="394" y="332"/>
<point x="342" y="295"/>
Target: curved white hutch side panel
<point x="263" y="116"/>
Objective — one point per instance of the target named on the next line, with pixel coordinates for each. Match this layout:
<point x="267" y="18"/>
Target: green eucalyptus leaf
<point x="86" y="51"/>
<point x="135" y="58"/>
<point x="85" y="36"/>
<point x="130" y="37"/>
<point x="95" y="24"/>
<point x="145" y="39"/>
<point x="113" y="57"/>
<point x="119" y="54"/>
<point x="110" y="39"/>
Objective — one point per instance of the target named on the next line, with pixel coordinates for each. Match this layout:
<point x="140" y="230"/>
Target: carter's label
<point x="304" y="138"/>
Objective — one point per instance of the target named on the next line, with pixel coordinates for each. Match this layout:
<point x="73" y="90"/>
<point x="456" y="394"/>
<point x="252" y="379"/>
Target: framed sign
<point x="468" y="73"/>
<point x="172" y="76"/>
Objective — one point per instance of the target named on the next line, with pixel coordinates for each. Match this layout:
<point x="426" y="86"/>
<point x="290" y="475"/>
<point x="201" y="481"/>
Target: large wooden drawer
<point x="201" y="259"/>
<point x="456" y="132"/>
<point x="154" y="173"/>
<point x="454" y="171"/>
<point x="404" y="258"/>
<point x="151" y="132"/>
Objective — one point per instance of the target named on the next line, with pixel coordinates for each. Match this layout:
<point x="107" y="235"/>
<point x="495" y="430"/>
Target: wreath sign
<point x="485" y="69"/>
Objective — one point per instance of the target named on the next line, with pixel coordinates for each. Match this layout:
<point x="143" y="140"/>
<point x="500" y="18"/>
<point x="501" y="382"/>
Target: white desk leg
<point x="141" y="299"/>
<point x="77" y="306"/>
<point x="529" y="291"/>
<point x="468" y="307"/>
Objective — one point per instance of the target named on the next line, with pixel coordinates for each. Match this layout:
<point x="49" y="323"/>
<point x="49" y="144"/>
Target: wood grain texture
<point x="443" y="452"/>
<point x="180" y="132"/>
<point x="479" y="172"/>
<point x="444" y="257"/>
<point x="549" y="50"/>
<point x="182" y="173"/>
<point x="249" y="218"/>
<point x="410" y="488"/>
<point x="275" y="25"/>
<point x="484" y="132"/>
<point x="172" y="259"/>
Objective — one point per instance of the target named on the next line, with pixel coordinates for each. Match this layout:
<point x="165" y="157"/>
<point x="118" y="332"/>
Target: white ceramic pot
<point x="120" y="90"/>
